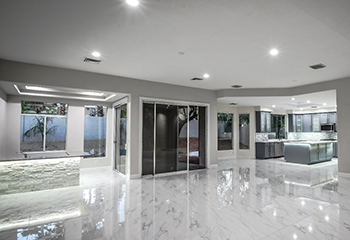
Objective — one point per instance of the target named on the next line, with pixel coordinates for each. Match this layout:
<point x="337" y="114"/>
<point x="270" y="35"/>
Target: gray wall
<point x="42" y="75"/>
<point x="3" y="109"/>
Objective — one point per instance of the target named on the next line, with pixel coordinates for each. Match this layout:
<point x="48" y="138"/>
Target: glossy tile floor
<point x="240" y="199"/>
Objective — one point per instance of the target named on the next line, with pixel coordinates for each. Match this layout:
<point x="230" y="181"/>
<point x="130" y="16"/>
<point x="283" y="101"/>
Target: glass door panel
<point x="166" y="138"/>
<point x="182" y="138"/>
<point x="120" y="138"/>
<point x="197" y="122"/>
<point x="148" y="139"/>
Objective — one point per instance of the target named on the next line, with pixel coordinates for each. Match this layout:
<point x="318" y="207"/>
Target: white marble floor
<point x="240" y="199"/>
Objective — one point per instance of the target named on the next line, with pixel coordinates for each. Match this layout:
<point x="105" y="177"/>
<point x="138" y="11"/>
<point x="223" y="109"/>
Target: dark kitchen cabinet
<point x="295" y="122"/>
<point x="335" y="149"/>
<point x="269" y="149"/>
<point x="310" y="122"/>
<point x="323" y="118"/>
<point x="291" y="123"/>
<point x="332" y="118"/>
<point x="328" y="118"/>
<point x="263" y="121"/>
<point x="306" y="122"/>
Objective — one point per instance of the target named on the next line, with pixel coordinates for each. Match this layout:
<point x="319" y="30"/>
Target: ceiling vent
<point x="314" y="106"/>
<point x="318" y="66"/>
<point x="196" y="79"/>
<point x="236" y="86"/>
<point x="91" y="60"/>
<point x="233" y="103"/>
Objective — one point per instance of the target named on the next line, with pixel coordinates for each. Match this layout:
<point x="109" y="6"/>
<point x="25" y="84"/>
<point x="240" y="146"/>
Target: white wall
<point x="3" y="121"/>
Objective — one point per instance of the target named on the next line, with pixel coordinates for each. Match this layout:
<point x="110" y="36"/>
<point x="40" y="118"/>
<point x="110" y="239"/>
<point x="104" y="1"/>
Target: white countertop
<point x="311" y="142"/>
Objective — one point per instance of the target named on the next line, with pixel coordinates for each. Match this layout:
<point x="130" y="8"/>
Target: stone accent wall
<point x="41" y="174"/>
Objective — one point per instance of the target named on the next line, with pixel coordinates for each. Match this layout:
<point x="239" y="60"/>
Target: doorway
<point x="173" y="137"/>
<point x="120" y="138"/>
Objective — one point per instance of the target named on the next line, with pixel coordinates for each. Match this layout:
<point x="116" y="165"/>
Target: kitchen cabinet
<point x="295" y="122"/>
<point x="269" y="149"/>
<point x="332" y="118"/>
<point x="298" y="119"/>
<point x="328" y="118"/>
<point x="308" y="152"/>
<point x="335" y="149"/>
<point x="263" y="121"/>
<point x="323" y="118"/>
<point x="291" y="123"/>
<point x="306" y="123"/>
<point x="316" y="126"/>
<point x="310" y="122"/>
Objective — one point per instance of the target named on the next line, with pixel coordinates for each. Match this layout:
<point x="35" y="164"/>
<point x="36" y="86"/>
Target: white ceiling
<point x="229" y="39"/>
<point x="286" y="103"/>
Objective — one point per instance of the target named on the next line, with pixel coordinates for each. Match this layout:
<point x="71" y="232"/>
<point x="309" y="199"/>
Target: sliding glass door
<point x="174" y="138"/>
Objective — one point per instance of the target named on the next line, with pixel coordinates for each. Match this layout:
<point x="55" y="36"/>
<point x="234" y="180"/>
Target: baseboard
<point x="133" y="176"/>
<point x="213" y="166"/>
<point x="227" y="157"/>
<point x="343" y="174"/>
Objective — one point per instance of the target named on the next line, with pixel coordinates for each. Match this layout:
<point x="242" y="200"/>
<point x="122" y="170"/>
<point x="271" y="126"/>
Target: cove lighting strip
<point x="62" y="96"/>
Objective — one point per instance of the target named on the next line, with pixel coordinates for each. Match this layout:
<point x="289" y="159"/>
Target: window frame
<point x="44" y="140"/>
<point x="232" y="132"/>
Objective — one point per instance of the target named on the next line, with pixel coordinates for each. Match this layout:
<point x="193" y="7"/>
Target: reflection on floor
<point x="240" y="199"/>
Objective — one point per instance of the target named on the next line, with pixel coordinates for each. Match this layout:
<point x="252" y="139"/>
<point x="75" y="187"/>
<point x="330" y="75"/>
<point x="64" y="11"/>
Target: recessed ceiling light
<point x="133" y="3"/>
<point x="301" y="109"/>
<point x="324" y="104"/>
<point x="96" y="54"/>
<point x="34" y="88"/>
<point x="308" y="101"/>
<point x="274" y="52"/>
<point x="273" y="106"/>
<point x="206" y="75"/>
<point x="293" y="98"/>
<point x="92" y="94"/>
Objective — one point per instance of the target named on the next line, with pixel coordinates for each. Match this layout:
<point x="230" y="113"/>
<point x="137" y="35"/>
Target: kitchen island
<point x="308" y="152"/>
<point x="39" y="173"/>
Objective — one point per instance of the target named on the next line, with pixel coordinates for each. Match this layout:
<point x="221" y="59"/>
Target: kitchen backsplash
<point x="309" y="136"/>
<point x="261" y="137"/>
<point x="312" y="136"/>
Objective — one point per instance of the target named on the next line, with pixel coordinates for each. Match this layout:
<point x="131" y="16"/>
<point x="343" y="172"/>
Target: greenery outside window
<point x="43" y="126"/>
<point x="225" y="131"/>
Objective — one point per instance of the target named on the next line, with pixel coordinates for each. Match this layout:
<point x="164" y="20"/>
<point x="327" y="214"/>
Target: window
<point x="95" y="131"/>
<point x="43" y="126"/>
<point x="244" y="131"/>
<point x="225" y="131"/>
